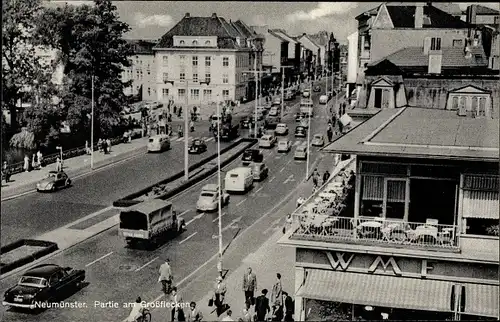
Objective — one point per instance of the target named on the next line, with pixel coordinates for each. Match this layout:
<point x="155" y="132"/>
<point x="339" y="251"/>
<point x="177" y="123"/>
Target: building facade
<point x="313" y="52"/>
<point x="142" y="71"/>
<point x="202" y="59"/>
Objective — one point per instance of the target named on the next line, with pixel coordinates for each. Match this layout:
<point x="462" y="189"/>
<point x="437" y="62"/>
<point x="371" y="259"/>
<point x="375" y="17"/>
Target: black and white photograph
<point x="249" y="161"/>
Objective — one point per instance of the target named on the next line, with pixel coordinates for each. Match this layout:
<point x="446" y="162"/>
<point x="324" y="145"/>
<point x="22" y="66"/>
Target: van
<point x="159" y="143"/>
<point x="239" y="180"/>
<point x="259" y="171"/>
<point x="306" y="107"/>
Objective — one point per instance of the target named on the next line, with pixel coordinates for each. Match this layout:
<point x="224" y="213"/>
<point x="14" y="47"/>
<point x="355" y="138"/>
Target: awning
<point x="482" y="300"/>
<point x="480" y="204"/>
<point x="377" y="290"/>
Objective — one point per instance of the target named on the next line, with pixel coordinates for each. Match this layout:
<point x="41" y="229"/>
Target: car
<point x="300" y="116"/>
<point x="317" y="88"/>
<point x="273" y="111"/>
<point x="246" y="122"/>
<point x="261" y="109"/>
<point x="260" y="116"/>
<point x="323" y="99"/>
<point x="306" y="93"/>
<point x="300" y="152"/>
<point x="209" y="198"/>
<point x="284" y="145"/>
<point x="305" y="123"/>
<point x="300" y="132"/>
<point x="281" y="129"/>
<point x="277" y="101"/>
<point x="266" y="141"/>
<point x="197" y="146"/>
<point x="318" y="140"/>
<point x="252" y="155"/>
<point x="259" y="171"/>
<point x="42" y="284"/>
<point x="54" y="180"/>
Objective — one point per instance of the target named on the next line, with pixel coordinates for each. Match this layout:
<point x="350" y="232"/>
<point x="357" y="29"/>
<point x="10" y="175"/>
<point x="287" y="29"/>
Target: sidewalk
<point x="25" y="181"/>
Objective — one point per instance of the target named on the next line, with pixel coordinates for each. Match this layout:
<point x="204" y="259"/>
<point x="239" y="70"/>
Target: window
<point x="181" y="92"/>
<point x="165" y="61"/>
<point x="225" y="93"/>
<point x="225" y="61"/>
<point x="195" y="77"/>
<point x="435" y="43"/>
<point x="181" y="42"/>
<point x="195" y="43"/>
<point x="195" y="94"/>
<point x="457" y="43"/>
<point x="207" y="43"/>
<point x="164" y="92"/>
<point x="195" y="60"/>
<point x="149" y="91"/>
<point x="149" y="71"/>
<point x="182" y="59"/>
<point x="208" y="77"/>
<point x="207" y="94"/>
<point x="207" y="60"/>
<point x="225" y="78"/>
<point x="182" y="76"/>
<point x="137" y="74"/>
<point x="480" y="204"/>
<point x="454" y="104"/>
<point x="165" y="77"/>
<point x="482" y="106"/>
<point x="383" y="197"/>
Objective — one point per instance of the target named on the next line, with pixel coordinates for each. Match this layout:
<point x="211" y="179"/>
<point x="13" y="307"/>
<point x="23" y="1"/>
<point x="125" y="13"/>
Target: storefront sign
<point x="385" y="265"/>
<point x="339" y="260"/>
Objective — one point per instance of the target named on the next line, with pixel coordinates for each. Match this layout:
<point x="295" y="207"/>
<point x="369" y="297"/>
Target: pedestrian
<point x="249" y="285"/>
<point x="326" y="176"/>
<point x="177" y="311"/>
<point x="246" y="316"/>
<point x="6" y="171"/>
<point x="175" y="109"/>
<point x="58" y="164"/>
<point x="194" y="315"/>
<point x="26" y="165"/>
<point x="34" y="165"/>
<point x="276" y="292"/>
<point x="99" y="145"/>
<point x="300" y="201"/>
<point x="288" y="307"/>
<point x="329" y="134"/>
<point x="219" y="295"/>
<point x="228" y="317"/>
<point x="105" y="146"/>
<point x="39" y="157"/>
<point x="166" y="277"/>
<point x="169" y="117"/>
<point x="87" y="149"/>
<point x="262" y="306"/>
<point x="315" y="177"/>
<point x="288" y="223"/>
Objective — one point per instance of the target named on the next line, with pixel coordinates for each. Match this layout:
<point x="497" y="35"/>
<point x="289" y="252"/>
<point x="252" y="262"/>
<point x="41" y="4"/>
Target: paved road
<point x="122" y="273"/>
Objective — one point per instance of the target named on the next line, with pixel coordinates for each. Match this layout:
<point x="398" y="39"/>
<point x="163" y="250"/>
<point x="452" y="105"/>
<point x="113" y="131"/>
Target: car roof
<point x="281" y="124"/>
<point x="266" y="136"/>
<point x="210" y="187"/>
<point x="43" y="270"/>
<point x="283" y="141"/>
<point x="300" y="127"/>
<point x="301" y="147"/>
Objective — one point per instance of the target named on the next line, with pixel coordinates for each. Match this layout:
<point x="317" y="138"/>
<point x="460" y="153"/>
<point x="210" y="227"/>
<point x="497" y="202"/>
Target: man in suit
<point x="249" y="285"/>
<point x="194" y="315"/>
<point x="177" y="311"/>
<point x="262" y="306"/>
<point x="288" y="307"/>
<point x="219" y="294"/>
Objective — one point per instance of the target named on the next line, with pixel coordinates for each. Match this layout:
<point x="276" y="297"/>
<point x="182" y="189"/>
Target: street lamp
<point x="255" y="72"/>
<point x="92" y="128"/>
<point x="219" y="266"/>
<point x="283" y="88"/>
<point x="308" y="138"/>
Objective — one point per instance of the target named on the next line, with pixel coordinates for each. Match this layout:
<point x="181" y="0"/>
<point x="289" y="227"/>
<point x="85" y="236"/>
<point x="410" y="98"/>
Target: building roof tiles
<point x="404" y="17"/>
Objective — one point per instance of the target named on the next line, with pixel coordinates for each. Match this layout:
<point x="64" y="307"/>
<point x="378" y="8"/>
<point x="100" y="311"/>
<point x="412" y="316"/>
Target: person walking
<point x="262" y="306"/>
<point x="87" y="149"/>
<point x="26" y="165"/>
<point x="39" y="157"/>
<point x="326" y="176"/>
<point x="108" y="144"/>
<point x="288" y="223"/>
<point x="194" y="315"/>
<point x="6" y="171"/>
<point x="34" y="165"/>
<point x="329" y="134"/>
<point x="228" y="317"/>
<point x="246" y="316"/>
<point x="58" y="164"/>
<point x="166" y="277"/>
<point x="288" y="307"/>
<point x="177" y="311"/>
<point x="315" y="177"/>
<point x="219" y="295"/>
<point x="249" y="285"/>
<point x="276" y="292"/>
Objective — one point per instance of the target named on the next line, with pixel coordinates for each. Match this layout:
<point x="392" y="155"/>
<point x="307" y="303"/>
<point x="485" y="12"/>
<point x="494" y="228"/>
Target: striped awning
<point x="377" y="290"/>
<point x="480" y="204"/>
<point x="482" y="300"/>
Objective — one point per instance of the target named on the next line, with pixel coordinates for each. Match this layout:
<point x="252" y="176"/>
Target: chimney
<point x="435" y="60"/>
<point x="419" y="15"/>
<point x="214" y="15"/>
<point x="187" y="15"/>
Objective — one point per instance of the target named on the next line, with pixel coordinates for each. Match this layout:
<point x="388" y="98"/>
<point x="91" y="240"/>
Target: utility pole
<point x="308" y="138"/>
<point x="219" y="266"/>
<point x="256" y="89"/>
<point x="186" y="145"/>
<point x="92" y="128"/>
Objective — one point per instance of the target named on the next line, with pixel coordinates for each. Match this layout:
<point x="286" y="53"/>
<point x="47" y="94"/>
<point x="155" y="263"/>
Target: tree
<point x="20" y="66"/>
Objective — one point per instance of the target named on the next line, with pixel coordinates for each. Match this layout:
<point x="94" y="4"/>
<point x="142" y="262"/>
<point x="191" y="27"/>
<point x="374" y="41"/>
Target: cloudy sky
<point x="151" y="19"/>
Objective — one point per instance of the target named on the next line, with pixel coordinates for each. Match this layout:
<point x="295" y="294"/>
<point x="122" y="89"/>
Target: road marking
<point x="282" y="169"/>
<point x="258" y="190"/>
<point x="210" y="139"/>
<point x="146" y="264"/>
<point x="242" y="201"/>
<point x="188" y="237"/>
<point x="182" y="213"/>
<point x="272" y="226"/>
<point x="271" y="180"/>
<point x="195" y="217"/>
<point x="297" y="143"/>
<point x="223" y="214"/>
<point x="278" y="157"/>
<point x="102" y="257"/>
<point x="288" y="162"/>
<point x="289" y="179"/>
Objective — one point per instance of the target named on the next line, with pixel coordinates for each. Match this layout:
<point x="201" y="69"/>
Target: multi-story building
<point x="142" y="71"/>
<point x="293" y="59"/>
<point x="275" y="51"/>
<point x="202" y="57"/>
<point x="314" y="57"/>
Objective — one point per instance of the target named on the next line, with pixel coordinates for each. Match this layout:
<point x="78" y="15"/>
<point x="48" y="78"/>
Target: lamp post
<point x="220" y="191"/>
<point x="186" y="133"/>
<point x="283" y="88"/>
<point x="92" y="128"/>
<point x="255" y="73"/>
<point x="308" y="139"/>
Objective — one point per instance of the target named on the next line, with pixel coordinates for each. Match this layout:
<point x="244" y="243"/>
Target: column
<point x="299" y="308"/>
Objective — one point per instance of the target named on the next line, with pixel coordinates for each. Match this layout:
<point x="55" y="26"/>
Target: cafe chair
<point x="432" y="222"/>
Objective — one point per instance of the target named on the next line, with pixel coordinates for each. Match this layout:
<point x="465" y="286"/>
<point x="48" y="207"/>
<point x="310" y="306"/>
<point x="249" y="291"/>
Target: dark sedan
<point x="198" y="146"/>
<point x="300" y="132"/>
<point x="300" y="116"/>
<point x="317" y="89"/>
<point x="252" y="155"/>
<point x="42" y="284"/>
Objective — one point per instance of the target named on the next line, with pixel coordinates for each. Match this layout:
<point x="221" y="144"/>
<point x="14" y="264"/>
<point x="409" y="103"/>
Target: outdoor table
<point x="426" y="230"/>
<point x="370" y="229"/>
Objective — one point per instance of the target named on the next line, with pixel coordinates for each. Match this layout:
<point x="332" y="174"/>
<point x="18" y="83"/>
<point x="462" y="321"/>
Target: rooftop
<point x="422" y="133"/>
<point x="404" y="17"/>
<point x="482" y="10"/>
<point x="140" y="46"/>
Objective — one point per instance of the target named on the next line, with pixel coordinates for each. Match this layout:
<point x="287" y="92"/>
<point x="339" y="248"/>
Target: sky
<point x="151" y="19"/>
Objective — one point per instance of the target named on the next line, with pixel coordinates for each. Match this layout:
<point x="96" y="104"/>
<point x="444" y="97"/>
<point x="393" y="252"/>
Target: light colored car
<point x="159" y="143"/>
<point x="323" y="99"/>
<point x="306" y="93"/>
<point x="209" y="198"/>
<point x="273" y="111"/>
<point x="266" y="141"/>
<point x="277" y="101"/>
<point x="54" y="181"/>
<point x="300" y="153"/>
<point x="318" y="140"/>
<point x="284" y="146"/>
<point x="281" y="129"/>
<point x="259" y="171"/>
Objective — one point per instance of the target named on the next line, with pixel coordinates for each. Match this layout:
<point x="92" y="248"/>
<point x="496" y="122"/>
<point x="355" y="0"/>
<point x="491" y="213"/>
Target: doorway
<point x="434" y="199"/>
<point x="378" y="98"/>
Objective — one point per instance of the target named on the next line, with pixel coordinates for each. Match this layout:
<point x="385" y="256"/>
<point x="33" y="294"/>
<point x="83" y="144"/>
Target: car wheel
<point x="68" y="182"/>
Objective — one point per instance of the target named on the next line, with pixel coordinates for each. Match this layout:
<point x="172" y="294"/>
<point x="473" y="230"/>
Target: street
<point x="114" y="270"/>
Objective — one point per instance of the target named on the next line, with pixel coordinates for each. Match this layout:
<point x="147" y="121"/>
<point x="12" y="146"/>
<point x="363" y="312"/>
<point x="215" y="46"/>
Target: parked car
<point x="158" y="143"/>
<point x="43" y="283"/>
<point x="252" y="155"/>
<point x="266" y="141"/>
<point x="209" y="198"/>
<point x="246" y="122"/>
<point x="54" y="180"/>
<point x="197" y="146"/>
<point x="273" y="111"/>
<point x="277" y="101"/>
<point x="323" y="99"/>
<point x="300" y="152"/>
<point x="284" y="145"/>
<point x="318" y="140"/>
<point x="300" y="132"/>
<point x="281" y="129"/>
<point x="300" y="116"/>
<point x="259" y="171"/>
